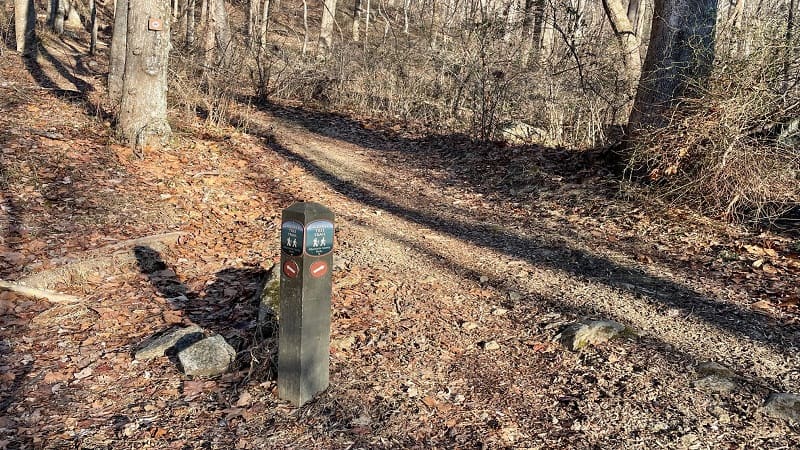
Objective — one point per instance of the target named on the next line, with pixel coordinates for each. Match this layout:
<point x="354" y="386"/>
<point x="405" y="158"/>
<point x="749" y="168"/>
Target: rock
<point x="158" y="345"/>
<point x="715" y="368"/>
<point x="581" y="334"/>
<point x="521" y="133"/>
<point x="206" y="358"/>
<point x="783" y="406"/>
<point x="270" y="299"/>
<point x="499" y="312"/>
<point x="468" y="326"/>
<point x="491" y="345"/>
<point x="716" y="384"/>
<point x="514" y="296"/>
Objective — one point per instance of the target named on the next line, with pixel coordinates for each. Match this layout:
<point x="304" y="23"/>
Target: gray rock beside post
<point x="208" y="357"/>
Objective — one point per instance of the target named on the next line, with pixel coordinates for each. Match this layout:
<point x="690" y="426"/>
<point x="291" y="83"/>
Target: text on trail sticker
<point x="319" y="237"/>
<point x="292" y="238"/>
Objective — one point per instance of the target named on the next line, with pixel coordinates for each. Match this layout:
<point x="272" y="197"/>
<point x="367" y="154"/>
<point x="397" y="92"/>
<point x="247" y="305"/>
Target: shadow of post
<point x="228" y="306"/>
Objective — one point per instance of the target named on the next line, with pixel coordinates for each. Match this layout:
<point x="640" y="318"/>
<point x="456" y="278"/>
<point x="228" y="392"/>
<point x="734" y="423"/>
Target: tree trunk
<point x="25" y="26"/>
<point x="265" y="13"/>
<point x="143" y="113"/>
<point x="680" y="53"/>
<point x="531" y="28"/>
<point x="190" y="12"/>
<point x="252" y="22"/>
<point x="634" y="15"/>
<point x="548" y="35"/>
<point x="356" y="20"/>
<point x="119" y="37"/>
<point x="218" y="18"/>
<point x="326" y="27"/>
<point x="406" y="5"/>
<point x="93" y="18"/>
<point x="305" y="27"/>
<point x="60" y="16"/>
<point x="789" y="57"/>
<point x="625" y="32"/>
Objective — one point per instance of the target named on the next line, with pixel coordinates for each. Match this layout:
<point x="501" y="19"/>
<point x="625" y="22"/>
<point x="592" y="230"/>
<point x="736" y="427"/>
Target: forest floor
<point x="442" y="248"/>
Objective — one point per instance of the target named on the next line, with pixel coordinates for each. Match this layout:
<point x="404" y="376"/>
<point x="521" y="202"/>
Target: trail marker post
<point x="305" y="309"/>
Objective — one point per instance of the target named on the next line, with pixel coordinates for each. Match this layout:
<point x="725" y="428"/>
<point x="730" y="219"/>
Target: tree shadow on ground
<point x="82" y="88"/>
<point x="229" y="306"/>
<point x="567" y="257"/>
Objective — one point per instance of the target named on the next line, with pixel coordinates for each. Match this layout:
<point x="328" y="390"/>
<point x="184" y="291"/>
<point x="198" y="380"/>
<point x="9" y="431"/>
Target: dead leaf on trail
<point x="764" y="307"/>
<point x="192" y="389"/>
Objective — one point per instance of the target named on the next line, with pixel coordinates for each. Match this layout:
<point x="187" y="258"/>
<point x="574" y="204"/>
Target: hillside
<point x="457" y="266"/>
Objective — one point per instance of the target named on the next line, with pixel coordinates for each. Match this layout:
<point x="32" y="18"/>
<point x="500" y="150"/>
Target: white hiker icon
<point x="288" y="242"/>
<point x="316" y="242"/>
<point x="322" y="241"/>
<point x="294" y="243"/>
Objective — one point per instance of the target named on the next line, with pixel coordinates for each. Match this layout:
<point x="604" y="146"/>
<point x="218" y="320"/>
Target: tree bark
<point x="93" y="19"/>
<point x="531" y="27"/>
<point x="119" y="38"/>
<point x="190" y="13"/>
<point x="625" y="32"/>
<point x="633" y="15"/>
<point x="252" y="22"/>
<point x="25" y="26"/>
<point x="326" y="27"/>
<point x="548" y="35"/>
<point x="265" y="13"/>
<point x="356" y="20"/>
<point x="680" y="53"/>
<point x="218" y="14"/>
<point x="143" y="113"/>
<point x="60" y="16"/>
<point x="305" y="27"/>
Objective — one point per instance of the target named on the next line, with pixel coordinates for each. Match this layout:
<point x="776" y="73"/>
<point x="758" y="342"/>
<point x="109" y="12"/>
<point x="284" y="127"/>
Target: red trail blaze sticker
<point x="318" y="269"/>
<point x="290" y="269"/>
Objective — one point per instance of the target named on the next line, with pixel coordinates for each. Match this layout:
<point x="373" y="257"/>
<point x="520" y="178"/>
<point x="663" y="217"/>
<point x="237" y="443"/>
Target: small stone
<point x="579" y="335"/>
<point x="715" y="368"/>
<point x="716" y="383"/>
<point x="514" y="296"/>
<point x="206" y="358"/>
<point x="484" y="279"/>
<point x="783" y="406"/>
<point x="659" y="427"/>
<point x="469" y="326"/>
<point x="159" y="344"/>
<point x="499" y="312"/>
<point x="491" y="345"/>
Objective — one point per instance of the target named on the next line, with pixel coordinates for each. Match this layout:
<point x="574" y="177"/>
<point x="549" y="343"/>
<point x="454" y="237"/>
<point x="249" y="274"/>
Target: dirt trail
<point x="480" y="255"/>
<point x="456" y="266"/>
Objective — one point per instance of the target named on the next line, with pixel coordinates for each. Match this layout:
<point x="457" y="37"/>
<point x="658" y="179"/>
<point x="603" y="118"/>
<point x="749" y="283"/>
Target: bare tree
<point x="252" y="22"/>
<point x="25" y="26"/>
<point x="625" y="32"/>
<point x="326" y="27"/>
<point x="190" y="21"/>
<point x="356" y="20"/>
<point x="116" y="71"/>
<point x="143" y="111"/>
<point x="93" y="25"/>
<point x="266" y="11"/>
<point x="680" y="53"/>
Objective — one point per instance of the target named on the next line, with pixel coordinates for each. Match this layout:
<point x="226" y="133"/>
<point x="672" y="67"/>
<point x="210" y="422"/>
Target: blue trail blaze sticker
<point x="319" y="237"/>
<point x="292" y="238"/>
